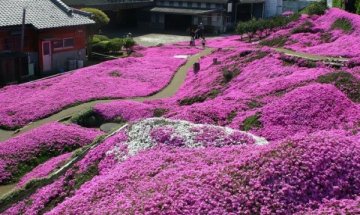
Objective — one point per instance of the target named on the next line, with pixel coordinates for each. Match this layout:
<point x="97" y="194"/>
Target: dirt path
<point x="166" y="92"/>
<point x="311" y="56"/>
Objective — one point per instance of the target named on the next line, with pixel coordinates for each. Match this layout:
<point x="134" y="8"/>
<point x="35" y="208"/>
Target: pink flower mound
<point x="44" y="169"/>
<point x="97" y="156"/>
<point x="127" y="110"/>
<point x="48" y="140"/>
<point x="36" y="203"/>
<point x="342" y="44"/>
<point x="121" y="78"/>
<point x="308" y="109"/>
<point x="344" y="206"/>
<point x="229" y="180"/>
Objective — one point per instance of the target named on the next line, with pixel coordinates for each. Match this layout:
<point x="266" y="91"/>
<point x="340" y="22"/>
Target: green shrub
<point x="338" y="3"/>
<point x="159" y="112"/>
<point x="98" y="38"/>
<point x="99" y="16"/>
<point x="229" y="75"/>
<point x="128" y="43"/>
<point x="275" y="42"/>
<point x="115" y="45"/>
<point x="345" y="82"/>
<point x="251" y="122"/>
<point x="88" y="118"/>
<point x="315" y="8"/>
<point x="262" y="26"/>
<point x="101" y="47"/>
<point x="306" y="27"/>
<point x="342" y="24"/>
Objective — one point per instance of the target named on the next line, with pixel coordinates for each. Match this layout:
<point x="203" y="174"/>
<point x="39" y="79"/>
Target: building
<point x="217" y="15"/>
<point x="54" y="36"/>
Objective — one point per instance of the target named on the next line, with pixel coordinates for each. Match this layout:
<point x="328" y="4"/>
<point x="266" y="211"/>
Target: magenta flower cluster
<point x="281" y="178"/>
<point x="122" y="78"/>
<point x="46" y="141"/>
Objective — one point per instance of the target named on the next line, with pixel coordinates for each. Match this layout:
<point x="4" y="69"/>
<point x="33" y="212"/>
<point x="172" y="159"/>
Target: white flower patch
<point x="140" y="138"/>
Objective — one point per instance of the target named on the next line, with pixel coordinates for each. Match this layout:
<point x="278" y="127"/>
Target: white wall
<point x="273" y="7"/>
<point x="329" y="3"/>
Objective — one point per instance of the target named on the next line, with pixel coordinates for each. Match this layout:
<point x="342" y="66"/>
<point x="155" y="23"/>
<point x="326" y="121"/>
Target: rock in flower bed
<point x="284" y="178"/>
<point x="121" y="78"/>
<point x="20" y="154"/>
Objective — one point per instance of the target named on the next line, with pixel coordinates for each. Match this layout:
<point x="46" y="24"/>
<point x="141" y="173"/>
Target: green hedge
<point x="103" y="44"/>
<point x="262" y="27"/>
<point x="315" y="8"/>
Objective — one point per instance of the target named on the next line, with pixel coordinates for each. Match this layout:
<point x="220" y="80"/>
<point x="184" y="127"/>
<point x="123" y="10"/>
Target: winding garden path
<point x="313" y="57"/>
<point x="168" y="91"/>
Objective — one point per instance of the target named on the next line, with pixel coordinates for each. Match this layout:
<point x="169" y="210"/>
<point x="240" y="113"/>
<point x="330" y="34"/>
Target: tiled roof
<point x="42" y="14"/>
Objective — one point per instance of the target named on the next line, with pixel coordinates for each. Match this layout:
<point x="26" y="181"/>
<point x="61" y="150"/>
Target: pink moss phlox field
<point x="126" y="110"/>
<point x="283" y="178"/>
<point x="343" y="206"/>
<point x="98" y="156"/>
<point x="48" y="140"/>
<point x="44" y="169"/>
<point x="336" y="42"/>
<point x="121" y="78"/>
<point x="307" y="109"/>
<point x="36" y="203"/>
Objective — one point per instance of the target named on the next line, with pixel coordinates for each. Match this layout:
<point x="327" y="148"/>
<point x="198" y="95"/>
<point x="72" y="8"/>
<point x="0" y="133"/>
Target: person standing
<point x="201" y="30"/>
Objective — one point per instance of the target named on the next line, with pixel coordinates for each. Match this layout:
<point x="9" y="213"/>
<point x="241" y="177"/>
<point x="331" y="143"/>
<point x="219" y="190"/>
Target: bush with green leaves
<point x="342" y="24"/>
<point x="262" y="27"/>
<point x="115" y="45"/>
<point x="315" y="8"/>
<point x="128" y="43"/>
<point x="99" y="16"/>
<point x="98" y="38"/>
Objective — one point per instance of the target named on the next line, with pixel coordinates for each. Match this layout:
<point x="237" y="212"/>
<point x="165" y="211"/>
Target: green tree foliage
<point x="262" y="27"/>
<point x="99" y="16"/>
<point x="315" y="8"/>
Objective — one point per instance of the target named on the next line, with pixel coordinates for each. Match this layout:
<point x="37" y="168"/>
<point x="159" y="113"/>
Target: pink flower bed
<point x="309" y="109"/>
<point x="44" y="169"/>
<point x="46" y="141"/>
<point x="285" y="178"/>
<point x="121" y="78"/>
<point x="341" y="44"/>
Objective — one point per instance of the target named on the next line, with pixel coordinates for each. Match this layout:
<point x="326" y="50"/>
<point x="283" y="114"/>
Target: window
<point x="64" y="43"/>
<point x="69" y="42"/>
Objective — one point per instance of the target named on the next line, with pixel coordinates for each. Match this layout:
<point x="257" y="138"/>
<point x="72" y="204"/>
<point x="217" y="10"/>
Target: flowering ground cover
<point x="334" y="34"/>
<point x="231" y="180"/>
<point x="20" y="154"/>
<point x="121" y="78"/>
<point x="301" y="156"/>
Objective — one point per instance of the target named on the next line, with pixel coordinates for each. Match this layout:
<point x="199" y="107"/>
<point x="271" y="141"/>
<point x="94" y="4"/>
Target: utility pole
<point x="23" y="30"/>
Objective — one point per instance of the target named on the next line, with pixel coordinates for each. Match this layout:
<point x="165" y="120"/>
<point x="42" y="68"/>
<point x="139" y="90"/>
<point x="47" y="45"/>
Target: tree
<point x="99" y="16"/>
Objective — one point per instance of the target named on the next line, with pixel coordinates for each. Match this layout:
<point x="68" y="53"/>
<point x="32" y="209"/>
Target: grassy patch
<point x="254" y="104"/>
<point x="115" y="73"/>
<point x="306" y="27"/>
<point x="326" y="37"/>
<point x="345" y="82"/>
<point x="201" y="98"/>
<point x="230" y="117"/>
<point x="275" y="42"/>
<point x="251" y="122"/>
<point x="257" y="56"/>
<point x="80" y="179"/>
<point x="343" y="24"/>
<point x="88" y="118"/>
<point x="229" y="74"/>
<point x="159" y="112"/>
<point x="315" y="8"/>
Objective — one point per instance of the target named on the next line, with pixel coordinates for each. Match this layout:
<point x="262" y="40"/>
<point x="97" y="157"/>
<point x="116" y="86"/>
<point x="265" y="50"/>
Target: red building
<point x="55" y="38"/>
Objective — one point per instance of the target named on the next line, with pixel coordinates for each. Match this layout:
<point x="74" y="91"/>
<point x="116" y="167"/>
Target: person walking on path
<point x="201" y="29"/>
